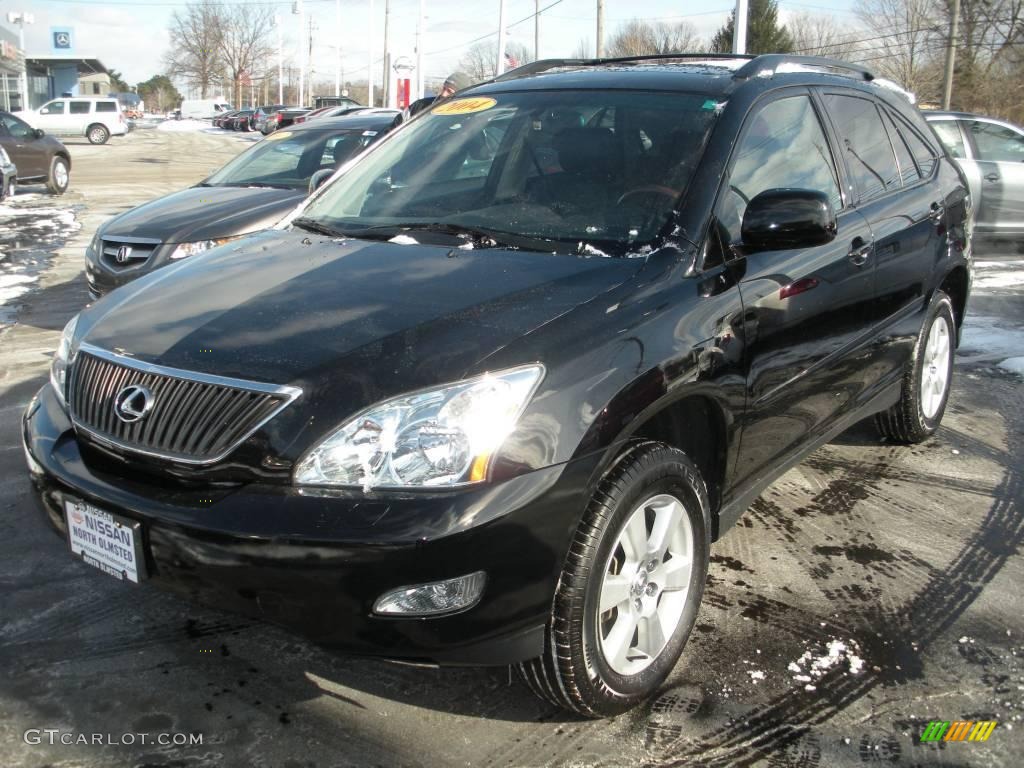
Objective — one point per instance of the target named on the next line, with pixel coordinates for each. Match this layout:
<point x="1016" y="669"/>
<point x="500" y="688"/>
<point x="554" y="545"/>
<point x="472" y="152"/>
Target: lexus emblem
<point x="123" y="254"/>
<point x="133" y="403"/>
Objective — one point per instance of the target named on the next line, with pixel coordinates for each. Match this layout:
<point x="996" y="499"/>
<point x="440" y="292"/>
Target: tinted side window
<point x="995" y="142"/>
<point x="908" y="171"/>
<point x="949" y="134"/>
<point x="18" y="128"/>
<point x="79" y="108"/>
<point x="53" y="108"/>
<point x="868" y="151"/>
<point x="923" y="152"/>
<point x="106" y="106"/>
<point x="783" y="146"/>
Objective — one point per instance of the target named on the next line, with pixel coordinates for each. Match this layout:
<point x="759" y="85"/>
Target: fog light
<point x="434" y="598"/>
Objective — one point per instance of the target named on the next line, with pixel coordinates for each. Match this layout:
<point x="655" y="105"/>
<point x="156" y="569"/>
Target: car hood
<point x="348" y="321"/>
<point x="204" y="213"/>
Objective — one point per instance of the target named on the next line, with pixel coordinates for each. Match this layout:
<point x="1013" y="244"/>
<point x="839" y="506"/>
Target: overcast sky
<point x="130" y="35"/>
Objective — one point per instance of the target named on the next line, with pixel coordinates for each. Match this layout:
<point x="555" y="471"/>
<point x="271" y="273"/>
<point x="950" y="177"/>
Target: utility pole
<point x="280" y="60"/>
<point x="600" y="29"/>
<point x="337" y="47"/>
<point x="536" y="30"/>
<point x="739" y="32"/>
<point x="499" y="67"/>
<point x="21" y="19"/>
<point x="386" y="82"/>
<point x="299" y="9"/>
<point x="954" y="33"/>
<point x="369" y="69"/>
<point x="419" y="51"/>
<point x="309" y="62"/>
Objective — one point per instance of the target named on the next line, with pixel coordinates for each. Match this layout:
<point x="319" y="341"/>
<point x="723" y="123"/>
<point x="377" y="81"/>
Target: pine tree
<point x="764" y="33"/>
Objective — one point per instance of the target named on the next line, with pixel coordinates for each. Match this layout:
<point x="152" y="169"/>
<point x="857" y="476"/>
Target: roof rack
<point x="756" y="66"/>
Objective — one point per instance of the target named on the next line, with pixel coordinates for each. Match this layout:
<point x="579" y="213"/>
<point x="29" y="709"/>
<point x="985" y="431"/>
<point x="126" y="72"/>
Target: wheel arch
<point x="956" y="284"/>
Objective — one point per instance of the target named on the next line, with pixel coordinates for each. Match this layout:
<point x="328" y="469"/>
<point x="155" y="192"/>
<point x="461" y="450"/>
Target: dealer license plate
<point x="105" y="541"/>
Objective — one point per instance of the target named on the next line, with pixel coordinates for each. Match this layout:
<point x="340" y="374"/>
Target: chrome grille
<point x="136" y="252"/>
<point x="195" y="418"/>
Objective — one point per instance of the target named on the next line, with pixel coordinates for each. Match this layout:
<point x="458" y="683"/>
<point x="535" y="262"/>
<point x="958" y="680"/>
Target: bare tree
<point x="195" y="51"/>
<point x="244" y="41"/>
<point x="816" y="34"/>
<point x="584" y="50"/>
<point x="640" y="38"/>
<point x="906" y="46"/>
<point x="479" y="61"/>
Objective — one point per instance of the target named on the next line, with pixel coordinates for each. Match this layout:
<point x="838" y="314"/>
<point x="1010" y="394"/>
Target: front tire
<point x="97" y="134"/>
<point x="59" y="178"/>
<point x="630" y="588"/>
<point x="9" y="189"/>
<point x="927" y="379"/>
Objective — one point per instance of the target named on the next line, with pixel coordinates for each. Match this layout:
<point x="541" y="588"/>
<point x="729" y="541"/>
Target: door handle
<point x="992" y="176"/>
<point x="937" y="212"/>
<point x="860" y="252"/>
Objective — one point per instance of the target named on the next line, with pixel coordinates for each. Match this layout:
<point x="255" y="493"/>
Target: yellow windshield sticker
<point x="278" y="135"/>
<point x="464" y="106"/>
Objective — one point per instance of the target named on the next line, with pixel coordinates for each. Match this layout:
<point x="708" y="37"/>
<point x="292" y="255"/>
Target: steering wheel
<point x="657" y="189"/>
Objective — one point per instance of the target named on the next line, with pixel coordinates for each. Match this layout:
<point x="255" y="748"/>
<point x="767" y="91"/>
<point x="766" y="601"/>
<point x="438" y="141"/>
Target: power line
<point x="495" y="32"/>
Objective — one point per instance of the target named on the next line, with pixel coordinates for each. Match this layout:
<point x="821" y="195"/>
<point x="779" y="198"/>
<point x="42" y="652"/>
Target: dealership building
<point x="12" y="63"/>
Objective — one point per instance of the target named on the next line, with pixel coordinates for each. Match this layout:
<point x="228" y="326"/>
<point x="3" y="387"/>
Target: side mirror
<point x="778" y="219"/>
<point x="317" y="179"/>
<point x="38" y="133"/>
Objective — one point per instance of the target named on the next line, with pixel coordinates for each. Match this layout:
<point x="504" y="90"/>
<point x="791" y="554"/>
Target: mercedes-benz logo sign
<point x="123" y="254"/>
<point x="133" y="403"/>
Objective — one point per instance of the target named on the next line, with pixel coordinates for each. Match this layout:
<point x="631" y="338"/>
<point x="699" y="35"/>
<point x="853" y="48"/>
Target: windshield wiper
<point x="265" y="184"/>
<point x="481" y="237"/>
<point x="312" y="225"/>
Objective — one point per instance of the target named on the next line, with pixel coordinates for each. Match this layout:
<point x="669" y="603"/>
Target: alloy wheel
<point x="935" y="370"/>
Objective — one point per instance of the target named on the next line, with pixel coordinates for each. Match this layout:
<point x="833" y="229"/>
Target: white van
<point x="96" y="118"/>
<point x="203" y="109"/>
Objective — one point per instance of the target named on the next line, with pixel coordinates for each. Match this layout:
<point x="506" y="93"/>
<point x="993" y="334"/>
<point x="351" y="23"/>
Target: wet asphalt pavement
<point x="869" y="591"/>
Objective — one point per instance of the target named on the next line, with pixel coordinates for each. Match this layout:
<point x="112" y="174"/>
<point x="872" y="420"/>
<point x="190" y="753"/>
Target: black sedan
<point x="38" y="157"/>
<point x="250" y="193"/>
<point x="241" y="121"/>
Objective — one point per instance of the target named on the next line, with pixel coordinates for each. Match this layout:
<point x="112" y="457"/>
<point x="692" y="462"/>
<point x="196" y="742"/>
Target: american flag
<point x="511" y="60"/>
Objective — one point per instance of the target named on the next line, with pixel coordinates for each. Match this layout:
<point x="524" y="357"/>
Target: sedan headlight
<point x="435" y="438"/>
<point x="191" y="249"/>
<point x="62" y="360"/>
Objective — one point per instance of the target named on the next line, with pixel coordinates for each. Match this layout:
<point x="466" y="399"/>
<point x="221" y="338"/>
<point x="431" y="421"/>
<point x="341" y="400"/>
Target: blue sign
<point x="63" y="39"/>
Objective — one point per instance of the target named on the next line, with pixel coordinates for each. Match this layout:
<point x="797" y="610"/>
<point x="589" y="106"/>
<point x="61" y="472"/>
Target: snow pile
<point x="185" y="126"/>
<point x="989" y="275"/>
<point x="14" y="285"/>
<point x="808" y="668"/>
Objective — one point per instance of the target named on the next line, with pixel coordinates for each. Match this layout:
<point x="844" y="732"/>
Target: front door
<point x="805" y="310"/>
<point x="53" y="117"/>
<point x="999" y="154"/>
<point x="29" y="154"/>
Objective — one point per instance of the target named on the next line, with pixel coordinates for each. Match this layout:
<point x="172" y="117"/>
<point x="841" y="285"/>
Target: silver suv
<point x="95" y="118"/>
<point x="991" y="154"/>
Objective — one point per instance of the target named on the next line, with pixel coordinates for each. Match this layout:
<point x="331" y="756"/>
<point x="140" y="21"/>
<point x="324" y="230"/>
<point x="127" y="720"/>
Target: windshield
<point x="574" y="170"/>
<point x="289" y="158"/>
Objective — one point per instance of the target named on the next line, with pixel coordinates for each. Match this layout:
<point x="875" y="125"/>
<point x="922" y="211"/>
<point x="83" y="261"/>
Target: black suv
<point x="491" y="393"/>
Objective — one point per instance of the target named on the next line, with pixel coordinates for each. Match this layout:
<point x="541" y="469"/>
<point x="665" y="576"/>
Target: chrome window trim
<point x="290" y="394"/>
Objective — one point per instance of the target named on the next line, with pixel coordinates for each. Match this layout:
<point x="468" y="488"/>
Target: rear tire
<point x="97" y="134"/>
<point x="927" y="378"/>
<point x="60" y="176"/>
<point x="641" y="553"/>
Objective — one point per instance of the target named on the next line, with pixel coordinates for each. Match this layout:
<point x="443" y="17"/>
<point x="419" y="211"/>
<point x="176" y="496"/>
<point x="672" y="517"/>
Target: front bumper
<point x="316" y="561"/>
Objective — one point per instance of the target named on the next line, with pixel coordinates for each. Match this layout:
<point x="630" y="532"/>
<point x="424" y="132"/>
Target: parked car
<point x="253" y="191"/>
<point x="40" y="158"/>
<point x="312" y="114"/>
<point x="221" y="120"/>
<point x="991" y="154"/>
<point x="350" y="110"/>
<point x="332" y="101"/>
<point x="8" y="175"/>
<point x="286" y="117"/>
<point x="241" y="121"/>
<point x="262" y="114"/>
<point x="203" y="109"/>
<point x="491" y="393"/>
<point x="95" y="118"/>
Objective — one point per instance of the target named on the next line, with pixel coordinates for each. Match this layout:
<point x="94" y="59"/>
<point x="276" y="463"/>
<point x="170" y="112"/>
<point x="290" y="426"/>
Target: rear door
<point x="79" y="116"/>
<point x="805" y="310"/>
<point x="906" y="216"/>
<point x="998" y="149"/>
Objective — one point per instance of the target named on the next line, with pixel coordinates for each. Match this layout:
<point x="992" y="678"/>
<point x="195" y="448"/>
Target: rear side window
<point x="996" y="142"/>
<point x="908" y="171"/>
<point x="106" y="106"/>
<point x="79" y="108"/>
<point x="783" y="145"/>
<point x="949" y="134"/>
<point x="923" y="153"/>
<point x="866" y="144"/>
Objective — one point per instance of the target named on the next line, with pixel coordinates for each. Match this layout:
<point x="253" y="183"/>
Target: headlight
<point x="94" y="244"/>
<point x="191" y="249"/>
<point x="62" y="359"/>
<point x="435" y="438"/>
